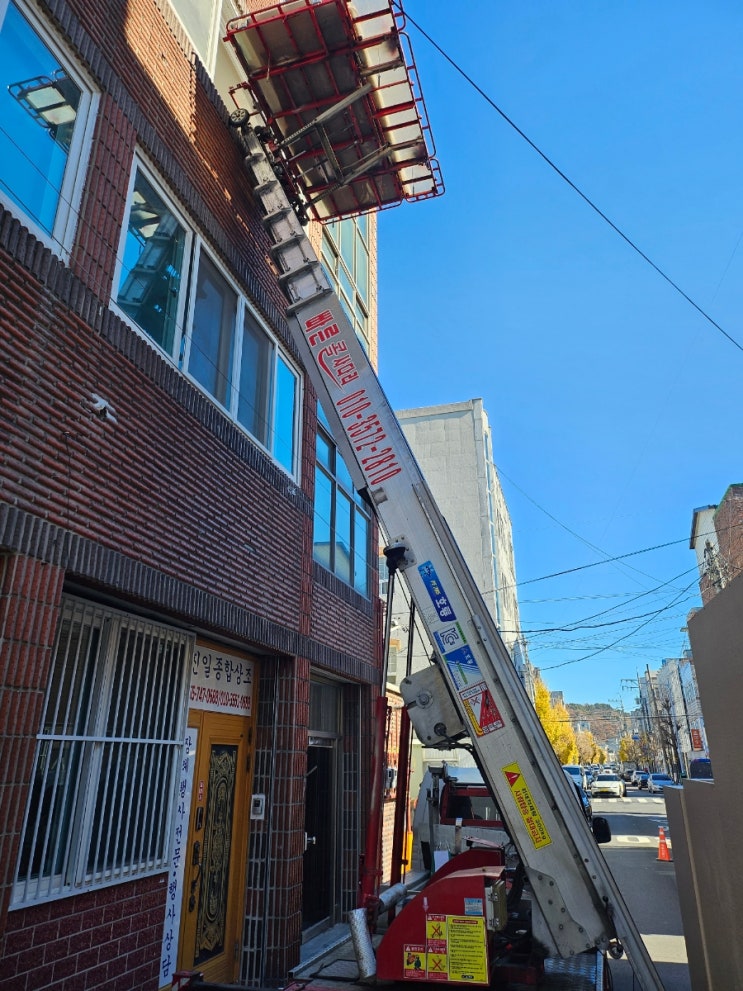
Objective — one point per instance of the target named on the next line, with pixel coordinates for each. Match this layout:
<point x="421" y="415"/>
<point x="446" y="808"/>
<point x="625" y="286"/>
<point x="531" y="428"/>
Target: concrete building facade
<point x="453" y="446"/>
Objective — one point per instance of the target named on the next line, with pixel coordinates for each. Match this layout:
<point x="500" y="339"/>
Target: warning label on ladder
<point x="481" y="709"/>
<point x="526" y="806"/>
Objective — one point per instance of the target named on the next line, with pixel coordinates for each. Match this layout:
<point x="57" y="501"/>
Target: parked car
<point x="642" y="779"/>
<point x="608" y="784"/>
<point x="578" y="774"/>
<point x="657" y="782"/>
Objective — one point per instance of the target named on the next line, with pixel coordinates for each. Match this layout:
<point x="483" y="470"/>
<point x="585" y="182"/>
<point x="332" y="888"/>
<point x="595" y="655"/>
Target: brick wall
<point x="29" y="595"/>
<point x="108" y="940"/>
<point x="729" y="527"/>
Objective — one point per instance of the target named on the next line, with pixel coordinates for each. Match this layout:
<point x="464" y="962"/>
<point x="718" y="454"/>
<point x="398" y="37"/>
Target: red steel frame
<point x="352" y="68"/>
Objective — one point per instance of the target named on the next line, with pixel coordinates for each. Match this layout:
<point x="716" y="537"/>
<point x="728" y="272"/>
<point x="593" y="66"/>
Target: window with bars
<point x="105" y="770"/>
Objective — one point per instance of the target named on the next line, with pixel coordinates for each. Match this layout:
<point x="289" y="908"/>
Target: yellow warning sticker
<point x="414" y="962"/>
<point x="468" y="950"/>
<point x="526" y="806"/>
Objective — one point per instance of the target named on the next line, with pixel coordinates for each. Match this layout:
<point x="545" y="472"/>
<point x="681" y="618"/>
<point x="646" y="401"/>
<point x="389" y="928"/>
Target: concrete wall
<point x="705" y="817"/>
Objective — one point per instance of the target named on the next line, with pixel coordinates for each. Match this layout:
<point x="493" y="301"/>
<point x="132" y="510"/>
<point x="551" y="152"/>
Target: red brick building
<point x="717" y="538"/>
<point x="188" y="638"/>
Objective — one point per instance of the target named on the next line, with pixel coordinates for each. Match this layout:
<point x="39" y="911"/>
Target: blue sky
<point x="615" y="405"/>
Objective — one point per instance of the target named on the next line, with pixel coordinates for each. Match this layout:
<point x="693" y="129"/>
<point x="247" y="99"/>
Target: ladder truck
<point x="330" y="124"/>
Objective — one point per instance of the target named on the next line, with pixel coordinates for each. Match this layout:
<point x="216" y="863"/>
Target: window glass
<point x="348" y="272"/>
<point x="212" y="331"/>
<point x="198" y="20"/>
<point x="346" y="286"/>
<point x="362" y="271"/>
<point x="343" y="508"/>
<point x="343" y="474"/>
<point x="360" y="557"/>
<point x="348" y="237"/>
<point x="152" y="270"/>
<point x="324" y="448"/>
<point x="253" y="400"/>
<point x="285" y="415"/>
<point x="43" y="114"/>
<point x="323" y="518"/>
<point x="219" y="341"/>
<point x="342" y="534"/>
<point x="362" y="324"/>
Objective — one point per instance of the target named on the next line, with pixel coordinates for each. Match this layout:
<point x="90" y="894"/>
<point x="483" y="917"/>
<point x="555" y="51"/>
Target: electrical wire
<point x="609" y="560"/>
<point x="586" y="199"/>
<point x="601" y="650"/>
<point x="577" y="625"/>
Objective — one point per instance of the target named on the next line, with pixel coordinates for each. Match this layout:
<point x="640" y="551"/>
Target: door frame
<point x="328" y="736"/>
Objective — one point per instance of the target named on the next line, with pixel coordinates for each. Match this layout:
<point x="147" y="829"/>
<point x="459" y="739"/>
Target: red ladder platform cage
<point x="335" y="88"/>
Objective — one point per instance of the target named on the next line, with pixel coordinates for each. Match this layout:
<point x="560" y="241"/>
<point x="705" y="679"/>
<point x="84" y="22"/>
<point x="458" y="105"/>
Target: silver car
<point x="657" y="782"/>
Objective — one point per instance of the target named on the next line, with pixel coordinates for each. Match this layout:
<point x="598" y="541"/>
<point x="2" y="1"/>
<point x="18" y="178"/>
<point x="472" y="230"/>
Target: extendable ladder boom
<point x="575" y="891"/>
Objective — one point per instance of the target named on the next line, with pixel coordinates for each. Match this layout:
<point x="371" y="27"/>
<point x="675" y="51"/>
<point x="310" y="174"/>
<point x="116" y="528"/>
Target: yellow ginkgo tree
<point x="555" y="720"/>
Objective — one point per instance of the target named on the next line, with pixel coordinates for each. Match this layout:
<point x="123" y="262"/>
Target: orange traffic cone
<point x="663" y="851"/>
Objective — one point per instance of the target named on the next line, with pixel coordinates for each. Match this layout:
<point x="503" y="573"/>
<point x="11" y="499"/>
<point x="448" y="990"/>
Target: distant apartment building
<point x="453" y="446"/>
<point x="679" y="706"/>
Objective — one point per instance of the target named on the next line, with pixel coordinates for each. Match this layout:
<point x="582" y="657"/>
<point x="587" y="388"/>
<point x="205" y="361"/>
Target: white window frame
<point x="78" y="749"/>
<point x="140" y="164"/>
<point x="67" y="215"/>
<point x="179" y="354"/>
<point x="231" y="407"/>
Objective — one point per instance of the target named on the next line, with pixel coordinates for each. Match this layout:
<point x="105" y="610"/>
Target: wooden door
<point x="214" y="880"/>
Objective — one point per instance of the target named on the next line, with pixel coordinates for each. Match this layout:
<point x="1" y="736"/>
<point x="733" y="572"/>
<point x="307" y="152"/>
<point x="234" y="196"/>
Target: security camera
<point x="101" y="408"/>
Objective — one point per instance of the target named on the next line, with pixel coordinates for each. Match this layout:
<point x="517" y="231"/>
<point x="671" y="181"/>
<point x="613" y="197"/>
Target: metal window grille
<point x="105" y="770"/>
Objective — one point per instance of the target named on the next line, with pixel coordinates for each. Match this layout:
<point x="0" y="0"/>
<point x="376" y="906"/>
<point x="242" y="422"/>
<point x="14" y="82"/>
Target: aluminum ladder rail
<point x="575" y="891"/>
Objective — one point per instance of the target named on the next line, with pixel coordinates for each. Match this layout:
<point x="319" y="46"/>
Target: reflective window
<point x="205" y="22"/>
<point x="215" y="336"/>
<point x="152" y="270"/>
<point x="285" y="414"/>
<point x="342" y="530"/>
<point x="44" y="110"/>
<point x="212" y="347"/>
<point x="254" y="399"/>
<point x="345" y="257"/>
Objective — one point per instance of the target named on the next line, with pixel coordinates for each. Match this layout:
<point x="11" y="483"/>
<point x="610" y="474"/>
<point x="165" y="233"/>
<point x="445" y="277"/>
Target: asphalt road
<point x="648" y="885"/>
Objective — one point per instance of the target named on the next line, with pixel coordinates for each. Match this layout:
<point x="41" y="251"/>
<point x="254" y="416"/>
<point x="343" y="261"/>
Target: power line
<point x="601" y="650"/>
<point x="586" y="199"/>
<point x="578" y="624"/>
